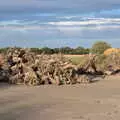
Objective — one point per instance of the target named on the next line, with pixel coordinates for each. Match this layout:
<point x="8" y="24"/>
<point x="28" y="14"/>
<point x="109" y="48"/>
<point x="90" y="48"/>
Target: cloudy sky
<point x="56" y="23"/>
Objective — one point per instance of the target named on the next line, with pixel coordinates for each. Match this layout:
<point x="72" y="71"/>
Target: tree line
<point x="97" y="48"/>
<point x="64" y="50"/>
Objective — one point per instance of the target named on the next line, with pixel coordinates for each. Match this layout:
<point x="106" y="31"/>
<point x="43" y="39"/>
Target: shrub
<point x="99" y="47"/>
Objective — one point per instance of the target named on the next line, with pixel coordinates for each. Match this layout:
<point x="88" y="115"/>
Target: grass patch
<point x="77" y="59"/>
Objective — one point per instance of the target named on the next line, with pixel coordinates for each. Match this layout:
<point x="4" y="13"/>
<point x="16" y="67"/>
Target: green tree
<point x="79" y="50"/>
<point x="3" y="50"/>
<point x="36" y="50"/>
<point x="65" y="50"/>
<point x="47" y="50"/>
<point x="56" y="50"/>
<point x="99" y="47"/>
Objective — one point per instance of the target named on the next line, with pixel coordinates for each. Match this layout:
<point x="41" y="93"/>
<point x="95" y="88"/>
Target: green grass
<point x="77" y="59"/>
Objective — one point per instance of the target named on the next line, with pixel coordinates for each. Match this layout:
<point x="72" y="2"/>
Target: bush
<point x="99" y="47"/>
<point x="101" y="62"/>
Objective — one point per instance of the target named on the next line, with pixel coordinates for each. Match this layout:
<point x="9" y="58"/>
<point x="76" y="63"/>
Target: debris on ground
<point x="25" y="67"/>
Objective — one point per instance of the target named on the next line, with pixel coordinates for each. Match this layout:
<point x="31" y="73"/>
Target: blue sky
<point x="57" y="23"/>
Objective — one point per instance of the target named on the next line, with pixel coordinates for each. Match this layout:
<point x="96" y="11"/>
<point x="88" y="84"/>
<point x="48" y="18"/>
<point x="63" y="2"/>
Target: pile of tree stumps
<point x="21" y="66"/>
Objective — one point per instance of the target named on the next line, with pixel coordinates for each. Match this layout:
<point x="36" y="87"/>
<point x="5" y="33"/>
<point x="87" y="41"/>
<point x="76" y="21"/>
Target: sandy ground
<point x="96" y="101"/>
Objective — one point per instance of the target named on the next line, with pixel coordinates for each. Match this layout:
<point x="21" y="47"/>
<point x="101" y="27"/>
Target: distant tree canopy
<point x="64" y="50"/>
<point x="3" y="50"/>
<point x="99" y="47"/>
<point x="80" y="50"/>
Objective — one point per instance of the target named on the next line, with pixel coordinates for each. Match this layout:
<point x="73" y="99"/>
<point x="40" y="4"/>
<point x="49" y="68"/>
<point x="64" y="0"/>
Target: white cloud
<point x="87" y="22"/>
<point x="92" y="21"/>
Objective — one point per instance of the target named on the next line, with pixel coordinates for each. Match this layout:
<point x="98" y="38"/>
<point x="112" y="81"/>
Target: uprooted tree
<point x="21" y="66"/>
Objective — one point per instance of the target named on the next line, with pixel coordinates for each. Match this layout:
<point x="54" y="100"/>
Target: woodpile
<point x="112" y="64"/>
<point x="25" y="67"/>
<point x="109" y="64"/>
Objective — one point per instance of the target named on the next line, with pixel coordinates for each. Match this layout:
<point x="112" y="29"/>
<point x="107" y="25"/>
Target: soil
<point x="96" y="101"/>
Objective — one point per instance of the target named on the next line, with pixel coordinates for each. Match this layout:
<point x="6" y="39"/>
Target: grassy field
<point x="77" y="59"/>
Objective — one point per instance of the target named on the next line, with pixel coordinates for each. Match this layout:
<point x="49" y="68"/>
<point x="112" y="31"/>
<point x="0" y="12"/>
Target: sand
<point x="96" y="101"/>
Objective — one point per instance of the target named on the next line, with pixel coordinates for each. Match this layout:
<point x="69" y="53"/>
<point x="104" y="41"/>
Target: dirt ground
<point x="96" y="101"/>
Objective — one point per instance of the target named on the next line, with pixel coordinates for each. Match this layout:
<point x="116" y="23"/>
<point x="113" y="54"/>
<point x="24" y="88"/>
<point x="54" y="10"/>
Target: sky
<point x="58" y="23"/>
